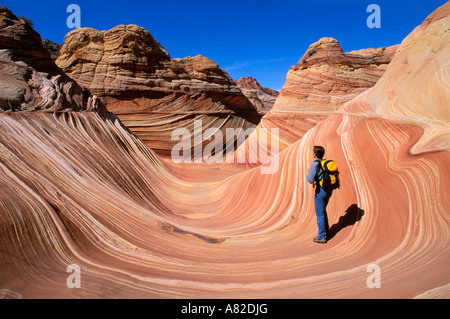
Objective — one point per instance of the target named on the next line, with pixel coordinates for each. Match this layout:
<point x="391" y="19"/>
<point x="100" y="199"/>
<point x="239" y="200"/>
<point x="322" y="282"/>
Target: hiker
<point x="323" y="191"/>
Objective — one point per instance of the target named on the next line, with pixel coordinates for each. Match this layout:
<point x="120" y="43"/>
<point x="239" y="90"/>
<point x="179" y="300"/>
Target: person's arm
<point x="312" y="173"/>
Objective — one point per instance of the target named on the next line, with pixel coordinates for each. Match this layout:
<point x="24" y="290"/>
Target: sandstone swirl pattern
<point x="78" y="188"/>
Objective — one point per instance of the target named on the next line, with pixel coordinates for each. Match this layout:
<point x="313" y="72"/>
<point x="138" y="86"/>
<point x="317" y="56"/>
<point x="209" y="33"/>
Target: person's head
<point x="319" y="151"/>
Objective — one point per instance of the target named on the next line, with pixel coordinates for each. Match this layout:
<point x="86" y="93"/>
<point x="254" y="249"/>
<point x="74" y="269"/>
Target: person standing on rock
<point x="321" y="197"/>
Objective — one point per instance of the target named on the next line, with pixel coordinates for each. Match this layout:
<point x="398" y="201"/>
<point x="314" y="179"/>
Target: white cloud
<point x="242" y="64"/>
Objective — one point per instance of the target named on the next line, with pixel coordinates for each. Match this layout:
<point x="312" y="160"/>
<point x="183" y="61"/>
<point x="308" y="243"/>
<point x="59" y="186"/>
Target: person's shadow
<point x="352" y="215"/>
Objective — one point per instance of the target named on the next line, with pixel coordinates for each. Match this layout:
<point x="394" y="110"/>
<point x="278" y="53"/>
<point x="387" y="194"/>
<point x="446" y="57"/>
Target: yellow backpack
<point x="330" y="175"/>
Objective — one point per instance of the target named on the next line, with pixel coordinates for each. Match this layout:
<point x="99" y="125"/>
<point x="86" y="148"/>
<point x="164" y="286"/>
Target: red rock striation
<point x="151" y="93"/>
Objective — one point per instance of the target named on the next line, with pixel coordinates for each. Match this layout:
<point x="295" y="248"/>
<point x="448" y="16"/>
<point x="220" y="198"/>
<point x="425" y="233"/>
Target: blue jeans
<point x="321" y="199"/>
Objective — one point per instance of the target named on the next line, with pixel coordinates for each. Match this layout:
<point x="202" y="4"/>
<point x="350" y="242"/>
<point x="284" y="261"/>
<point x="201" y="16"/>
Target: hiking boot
<point x="319" y="241"/>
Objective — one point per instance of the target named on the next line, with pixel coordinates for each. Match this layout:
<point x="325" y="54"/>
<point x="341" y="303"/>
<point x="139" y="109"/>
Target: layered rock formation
<point x="78" y="190"/>
<point x="135" y="77"/>
<point x="256" y="93"/>
<point x="326" y="77"/>
<point x="322" y="81"/>
<point x="30" y="80"/>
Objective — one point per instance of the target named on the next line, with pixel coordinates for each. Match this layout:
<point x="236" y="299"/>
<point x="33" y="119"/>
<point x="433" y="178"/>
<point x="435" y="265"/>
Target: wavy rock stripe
<point x="80" y="188"/>
<point x="158" y="131"/>
<point x="84" y="191"/>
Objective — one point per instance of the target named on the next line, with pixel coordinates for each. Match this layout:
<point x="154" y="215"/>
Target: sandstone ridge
<point x="323" y="80"/>
<point x="326" y="77"/>
<point x="125" y="63"/>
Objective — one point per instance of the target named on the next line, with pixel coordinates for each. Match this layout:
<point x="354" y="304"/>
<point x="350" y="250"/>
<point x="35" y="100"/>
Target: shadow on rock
<point x="352" y="215"/>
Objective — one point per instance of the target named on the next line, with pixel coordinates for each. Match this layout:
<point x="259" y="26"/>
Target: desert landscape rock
<point x="152" y="94"/>
<point x="322" y="81"/>
<point x="77" y="187"/>
<point x="326" y="77"/>
<point x="30" y="80"/>
<point x="401" y="97"/>
<point x="52" y="47"/>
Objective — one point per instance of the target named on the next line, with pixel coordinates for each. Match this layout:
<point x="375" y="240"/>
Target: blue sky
<point x="261" y="38"/>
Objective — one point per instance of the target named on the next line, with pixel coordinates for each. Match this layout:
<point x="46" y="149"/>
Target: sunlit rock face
<point x="79" y="190"/>
<point x="326" y="77"/>
<point x="322" y="81"/>
<point x="151" y="93"/>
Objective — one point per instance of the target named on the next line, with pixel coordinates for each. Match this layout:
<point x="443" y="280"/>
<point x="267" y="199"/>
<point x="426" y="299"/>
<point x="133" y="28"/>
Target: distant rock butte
<point x="254" y="91"/>
<point x="135" y="77"/>
<point x="52" y="47"/>
<point x="252" y="84"/>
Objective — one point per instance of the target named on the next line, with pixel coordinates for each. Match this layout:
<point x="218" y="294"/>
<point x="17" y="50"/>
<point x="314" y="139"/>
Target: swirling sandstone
<point x="78" y="188"/>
